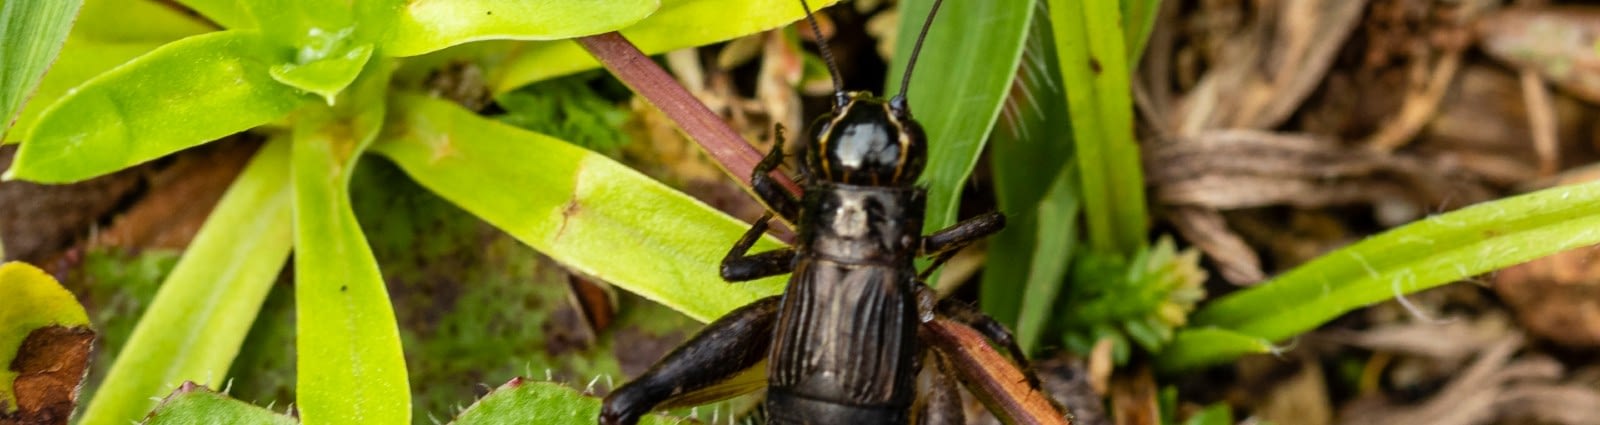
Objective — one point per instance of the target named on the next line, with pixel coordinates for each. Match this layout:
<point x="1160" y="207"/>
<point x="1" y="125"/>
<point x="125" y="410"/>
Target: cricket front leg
<point x="719" y="362"/>
<point x="740" y="265"/>
<point x="943" y="244"/>
<point x="767" y="188"/>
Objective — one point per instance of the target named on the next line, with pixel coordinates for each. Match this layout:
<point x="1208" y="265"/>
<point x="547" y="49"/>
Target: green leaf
<point x="1421" y="255"/>
<point x="426" y="26"/>
<point x="231" y="14"/>
<point x="523" y="402"/>
<point x="199" y="318"/>
<point x="963" y="76"/>
<point x="33" y="300"/>
<point x="349" y="364"/>
<point x="1058" y="233"/>
<point x="1139" y="19"/>
<point x="108" y="33"/>
<point x="31" y="33"/>
<point x="325" y="76"/>
<point x="123" y="21"/>
<point x="1094" y="64"/>
<point x="1215" y="414"/>
<point x="322" y="47"/>
<point x="676" y="25"/>
<point x="193" y="404"/>
<point x="1031" y="143"/>
<point x="586" y="211"/>
<point x="183" y="94"/>
<point x="1203" y="346"/>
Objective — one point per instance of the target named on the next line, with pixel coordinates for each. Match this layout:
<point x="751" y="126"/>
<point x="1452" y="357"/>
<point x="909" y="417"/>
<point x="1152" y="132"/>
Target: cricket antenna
<point x="839" y="98"/>
<point x="898" y="102"/>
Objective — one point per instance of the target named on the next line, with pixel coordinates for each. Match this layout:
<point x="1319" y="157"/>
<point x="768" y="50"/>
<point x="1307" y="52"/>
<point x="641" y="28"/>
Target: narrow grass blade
<point x="677" y="24"/>
<point x="1203" y="346"/>
<point x="1139" y="19"/>
<point x="961" y="79"/>
<point x="1031" y="143"/>
<point x="1428" y="253"/>
<point x="349" y="365"/>
<point x="1094" y="66"/>
<point x="34" y="301"/>
<point x="193" y="404"/>
<point x="31" y="33"/>
<point x="1057" y="235"/>
<point x="201" y="314"/>
<point x="584" y="210"/>
<point x="162" y="102"/>
<point x="521" y="401"/>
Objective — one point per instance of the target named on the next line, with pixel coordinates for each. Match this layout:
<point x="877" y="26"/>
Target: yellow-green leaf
<point x="33" y="300"/>
<point x="183" y="94"/>
<point x="31" y="33"/>
<point x="428" y="25"/>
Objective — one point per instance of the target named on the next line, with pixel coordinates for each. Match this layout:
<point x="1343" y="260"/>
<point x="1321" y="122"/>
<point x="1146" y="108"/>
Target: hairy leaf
<point x="193" y="404"/>
<point x="521" y="401"/>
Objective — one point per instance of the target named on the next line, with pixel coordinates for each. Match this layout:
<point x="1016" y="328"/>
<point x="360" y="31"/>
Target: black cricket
<point x="840" y="344"/>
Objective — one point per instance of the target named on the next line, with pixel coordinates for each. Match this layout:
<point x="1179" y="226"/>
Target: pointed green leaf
<point x="1058" y="234"/>
<point x="183" y="94"/>
<point x="1431" y="252"/>
<point x="349" y="364"/>
<point x="428" y="25"/>
<point x="325" y="76"/>
<point x="962" y="78"/>
<point x="199" y="318"/>
<point x="586" y="211"/>
<point x="678" y="24"/>
<point x="33" y="300"/>
<point x="31" y="33"/>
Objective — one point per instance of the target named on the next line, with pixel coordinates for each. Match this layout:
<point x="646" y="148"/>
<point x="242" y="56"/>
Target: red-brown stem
<point x="647" y="79"/>
<point x="990" y="376"/>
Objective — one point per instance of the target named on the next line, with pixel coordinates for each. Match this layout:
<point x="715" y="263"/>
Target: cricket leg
<point x="767" y="188"/>
<point x="721" y="361"/>
<point x="944" y="244"/>
<point x="740" y="265"/>
<point x="992" y="330"/>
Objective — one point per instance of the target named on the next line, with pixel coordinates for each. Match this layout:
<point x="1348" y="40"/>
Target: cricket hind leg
<point x="968" y="315"/>
<point x="939" y="398"/>
<point x="736" y="343"/>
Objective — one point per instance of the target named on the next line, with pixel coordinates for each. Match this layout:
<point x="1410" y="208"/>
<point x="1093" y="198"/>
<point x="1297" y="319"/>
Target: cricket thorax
<point x="862" y="224"/>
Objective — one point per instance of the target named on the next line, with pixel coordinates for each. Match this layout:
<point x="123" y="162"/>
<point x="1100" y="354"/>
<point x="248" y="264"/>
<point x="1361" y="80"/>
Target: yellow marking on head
<point x="822" y="140"/>
<point x="903" y="137"/>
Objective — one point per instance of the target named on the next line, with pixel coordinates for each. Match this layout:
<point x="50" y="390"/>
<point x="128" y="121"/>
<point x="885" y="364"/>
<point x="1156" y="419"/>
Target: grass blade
<point x="1057" y="235"/>
<point x="1203" y="346"/>
<point x="964" y="73"/>
<point x="584" y="210"/>
<point x="1094" y="66"/>
<point x="1421" y="255"/>
<point x="31" y="33"/>
<point x="195" y="324"/>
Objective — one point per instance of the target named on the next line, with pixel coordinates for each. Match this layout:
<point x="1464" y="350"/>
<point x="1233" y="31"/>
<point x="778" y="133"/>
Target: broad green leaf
<point x="33" y="300"/>
<point x="108" y="33"/>
<point x="199" y="318"/>
<point x="1421" y="255"/>
<point x="1058" y="234"/>
<point x="31" y="33"/>
<point x="524" y="402"/>
<point x="586" y="211"/>
<point x="428" y="25"/>
<point x="191" y="404"/>
<point x="349" y="365"/>
<point x="1203" y="346"/>
<point x="1094" y="65"/>
<point x="136" y="21"/>
<point x="676" y="25"/>
<point x="231" y="14"/>
<point x="963" y="76"/>
<point x="183" y="94"/>
<point x="325" y="76"/>
<point x="1031" y="143"/>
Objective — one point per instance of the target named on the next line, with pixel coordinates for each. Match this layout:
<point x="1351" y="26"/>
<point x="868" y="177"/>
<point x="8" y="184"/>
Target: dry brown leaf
<point x="50" y="366"/>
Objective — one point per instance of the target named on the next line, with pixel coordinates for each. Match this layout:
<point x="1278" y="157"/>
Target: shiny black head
<point x="868" y="142"/>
